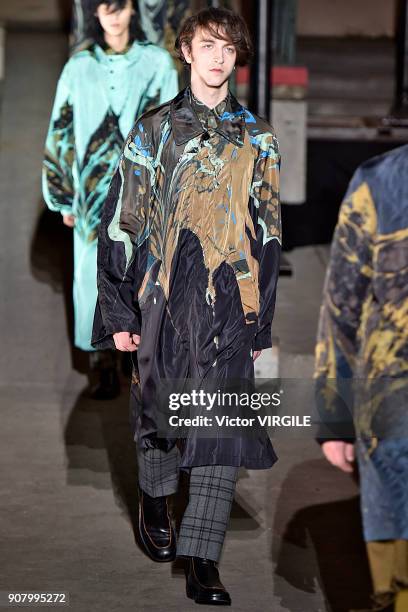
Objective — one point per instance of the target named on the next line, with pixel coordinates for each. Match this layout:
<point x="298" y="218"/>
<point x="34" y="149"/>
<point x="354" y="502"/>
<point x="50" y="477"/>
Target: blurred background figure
<point x="363" y="333"/>
<point x="158" y="21"/>
<point x="101" y="92"/>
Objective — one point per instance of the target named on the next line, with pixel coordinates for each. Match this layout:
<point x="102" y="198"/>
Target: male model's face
<point x="211" y="59"/>
<point x="115" y="21"/>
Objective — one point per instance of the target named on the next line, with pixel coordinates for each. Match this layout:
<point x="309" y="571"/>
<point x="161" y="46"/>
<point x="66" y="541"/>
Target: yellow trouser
<point x="389" y="569"/>
<point x="401" y="604"/>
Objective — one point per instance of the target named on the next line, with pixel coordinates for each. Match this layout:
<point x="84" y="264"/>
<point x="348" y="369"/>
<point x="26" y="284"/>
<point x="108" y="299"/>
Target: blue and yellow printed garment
<point x="363" y="336"/>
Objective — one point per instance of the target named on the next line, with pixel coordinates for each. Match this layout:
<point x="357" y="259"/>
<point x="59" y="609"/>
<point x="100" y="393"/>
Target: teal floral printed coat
<point x="99" y="96"/>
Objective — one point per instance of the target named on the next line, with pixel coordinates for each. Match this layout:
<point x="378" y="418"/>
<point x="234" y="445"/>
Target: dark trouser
<point x="211" y="493"/>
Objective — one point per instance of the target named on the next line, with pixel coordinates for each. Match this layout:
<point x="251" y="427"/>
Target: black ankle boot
<point x="104" y="374"/>
<point x="108" y="385"/>
<point x="156" y="532"/>
<point x="204" y="584"/>
<point x="126" y="364"/>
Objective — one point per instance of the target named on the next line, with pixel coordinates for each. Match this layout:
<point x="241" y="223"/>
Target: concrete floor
<point x="68" y="498"/>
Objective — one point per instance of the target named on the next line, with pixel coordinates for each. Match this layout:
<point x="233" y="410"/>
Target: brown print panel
<point x="212" y="201"/>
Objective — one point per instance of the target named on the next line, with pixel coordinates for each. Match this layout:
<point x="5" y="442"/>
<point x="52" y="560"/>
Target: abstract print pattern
<point x="161" y="19"/>
<point x="59" y="159"/>
<point x="97" y="169"/>
<point x="207" y="191"/>
<point x="363" y="329"/>
<point x="95" y="172"/>
<point x="86" y="134"/>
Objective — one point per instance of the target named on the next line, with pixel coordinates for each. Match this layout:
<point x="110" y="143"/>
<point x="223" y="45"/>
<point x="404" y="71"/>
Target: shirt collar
<point x="187" y="125"/>
<point x="132" y="53"/>
<point x="209" y="117"/>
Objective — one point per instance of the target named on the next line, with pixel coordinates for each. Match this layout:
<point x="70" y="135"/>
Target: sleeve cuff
<point x="66" y="210"/>
<point x="350" y="440"/>
<point x="102" y="335"/>
<point x="336" y="432"/>
<point x="263" y="339"/>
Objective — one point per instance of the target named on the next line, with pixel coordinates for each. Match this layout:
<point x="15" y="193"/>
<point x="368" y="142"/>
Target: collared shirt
<point x="209" y="117"/>
<point x="109" y="51"/>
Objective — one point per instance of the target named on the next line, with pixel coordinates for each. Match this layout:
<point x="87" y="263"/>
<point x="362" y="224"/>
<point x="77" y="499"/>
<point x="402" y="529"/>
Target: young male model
<point x="187" y="270"/>
<point x="101" y="92"/>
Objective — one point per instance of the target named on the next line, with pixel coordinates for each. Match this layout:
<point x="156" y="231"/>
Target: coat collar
<point x="186" y="125"/>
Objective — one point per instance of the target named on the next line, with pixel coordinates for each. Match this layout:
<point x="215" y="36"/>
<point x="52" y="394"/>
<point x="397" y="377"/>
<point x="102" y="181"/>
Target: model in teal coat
<point x="101" y="92"/>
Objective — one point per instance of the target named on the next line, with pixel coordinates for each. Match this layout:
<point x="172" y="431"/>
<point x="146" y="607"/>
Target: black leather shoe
<point x="156" y="533"/>
<point x="108" y="386"/>
<point x="204" y="584"/>
<point x="382" y="602"/>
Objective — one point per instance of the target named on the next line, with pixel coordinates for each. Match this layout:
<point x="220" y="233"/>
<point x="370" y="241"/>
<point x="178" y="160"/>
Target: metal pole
<point x="260" y="82"/>
<point x="401" y="63"/>
<point x="261" y="69"/>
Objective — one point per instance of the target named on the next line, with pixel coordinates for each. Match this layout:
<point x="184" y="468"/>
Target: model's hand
<point x="68" y="220"/>
<point x="340" y="454"/>
<point x="124" y="341"/>
<point x="256" y="354"/>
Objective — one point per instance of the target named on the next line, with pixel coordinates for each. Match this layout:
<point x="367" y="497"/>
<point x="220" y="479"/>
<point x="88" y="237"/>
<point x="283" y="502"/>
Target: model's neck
<point x="117" y="43"/>
<point x="210" y="96"/>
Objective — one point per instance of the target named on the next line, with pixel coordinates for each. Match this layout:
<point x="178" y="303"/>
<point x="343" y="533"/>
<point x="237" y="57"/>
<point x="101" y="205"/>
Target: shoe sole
<point x="191" y="594"/>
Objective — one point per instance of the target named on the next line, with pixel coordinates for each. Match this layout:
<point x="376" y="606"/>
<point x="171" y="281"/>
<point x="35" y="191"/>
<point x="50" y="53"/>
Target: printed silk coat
<point x="188" y="258"/>
<point x="99" y="96"/>
<point x="363" y="334"/>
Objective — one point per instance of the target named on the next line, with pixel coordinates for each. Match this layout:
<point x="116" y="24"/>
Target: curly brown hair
<point x="220" y="23"/>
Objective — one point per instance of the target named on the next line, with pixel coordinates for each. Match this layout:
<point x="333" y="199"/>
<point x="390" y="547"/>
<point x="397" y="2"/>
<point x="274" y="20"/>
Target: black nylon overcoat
<point x="188" y="258"/>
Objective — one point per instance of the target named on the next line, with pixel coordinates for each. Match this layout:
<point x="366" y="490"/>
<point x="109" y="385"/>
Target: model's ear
<point x="186" y="51"/>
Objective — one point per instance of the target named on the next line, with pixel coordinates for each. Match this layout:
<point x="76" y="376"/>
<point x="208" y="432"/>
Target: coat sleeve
<point x="265" y="206"/>
<point x="164" y="85"/>
<point x="123" y="234"/>
<point x="348" y="277"/>
<point x="57" y="172"/>
<point x="168" y="80"/>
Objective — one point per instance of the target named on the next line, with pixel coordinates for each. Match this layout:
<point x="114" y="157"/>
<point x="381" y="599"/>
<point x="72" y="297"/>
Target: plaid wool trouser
<point x="211" y="493"/>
